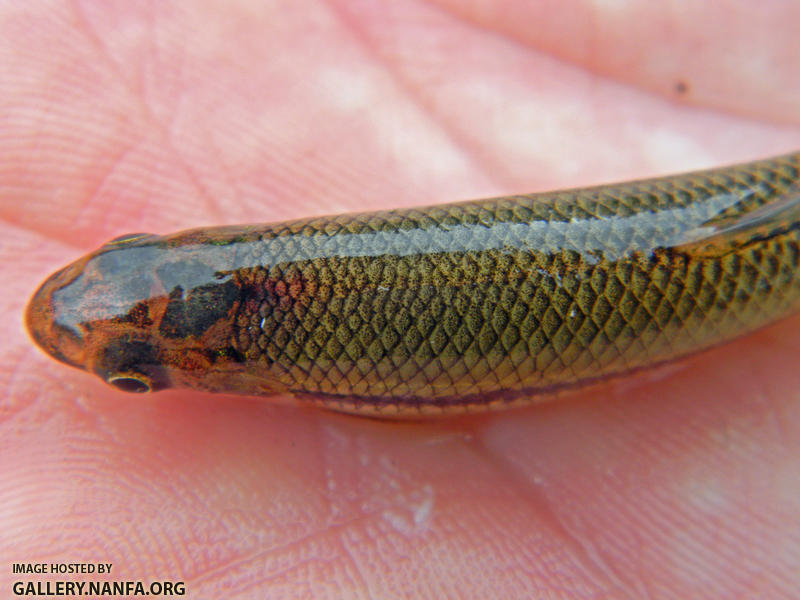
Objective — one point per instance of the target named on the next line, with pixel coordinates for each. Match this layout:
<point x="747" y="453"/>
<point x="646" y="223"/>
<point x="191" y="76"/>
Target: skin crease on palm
<point x="118" y="117"/>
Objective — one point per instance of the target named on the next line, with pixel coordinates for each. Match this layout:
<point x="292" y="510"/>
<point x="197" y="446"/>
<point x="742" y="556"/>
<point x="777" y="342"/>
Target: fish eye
<point x="135" y="383"/>
<point x="128" y="237"/>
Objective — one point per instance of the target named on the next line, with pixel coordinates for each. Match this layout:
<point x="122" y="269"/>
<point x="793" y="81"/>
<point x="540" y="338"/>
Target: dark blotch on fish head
<point x="139" y="313"/>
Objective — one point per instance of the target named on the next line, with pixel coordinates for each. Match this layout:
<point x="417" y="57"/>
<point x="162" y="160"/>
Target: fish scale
<point x="635" y="318"/>
<point x="451" y="307"/>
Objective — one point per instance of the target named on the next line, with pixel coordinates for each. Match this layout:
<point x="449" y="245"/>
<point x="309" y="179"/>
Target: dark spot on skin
<point x="139" y="315"/>
<point x="122" y="354"/>
<point x="200" y="309"/>
<point x="681" y="87"/>
<point x="228" y="353"/>
<point x="124" y="359"/>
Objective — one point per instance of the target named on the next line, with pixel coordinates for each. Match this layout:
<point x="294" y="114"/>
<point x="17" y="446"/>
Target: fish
<point x="443" y="309"/>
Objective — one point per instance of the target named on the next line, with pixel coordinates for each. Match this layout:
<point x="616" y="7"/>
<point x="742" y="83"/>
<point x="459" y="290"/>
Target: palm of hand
<point x="154" y="122"/>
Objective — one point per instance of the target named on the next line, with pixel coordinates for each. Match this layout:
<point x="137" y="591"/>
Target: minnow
<point x="455" y="307"/>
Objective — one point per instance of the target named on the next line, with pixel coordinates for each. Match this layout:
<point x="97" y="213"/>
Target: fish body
<point x="460" y="306"/>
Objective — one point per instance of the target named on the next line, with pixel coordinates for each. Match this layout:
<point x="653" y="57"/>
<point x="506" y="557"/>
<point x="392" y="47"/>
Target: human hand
<point x="678" y="482"/>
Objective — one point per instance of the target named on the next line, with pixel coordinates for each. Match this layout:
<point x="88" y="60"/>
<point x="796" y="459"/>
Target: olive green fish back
<point x="523" y="293"/>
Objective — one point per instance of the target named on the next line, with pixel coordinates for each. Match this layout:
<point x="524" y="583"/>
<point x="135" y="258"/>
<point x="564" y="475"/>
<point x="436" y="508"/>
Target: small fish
<point x="449" y="308"/>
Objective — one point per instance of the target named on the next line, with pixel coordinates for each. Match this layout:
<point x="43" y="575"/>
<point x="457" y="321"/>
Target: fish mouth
<point x="56" y="340"/>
